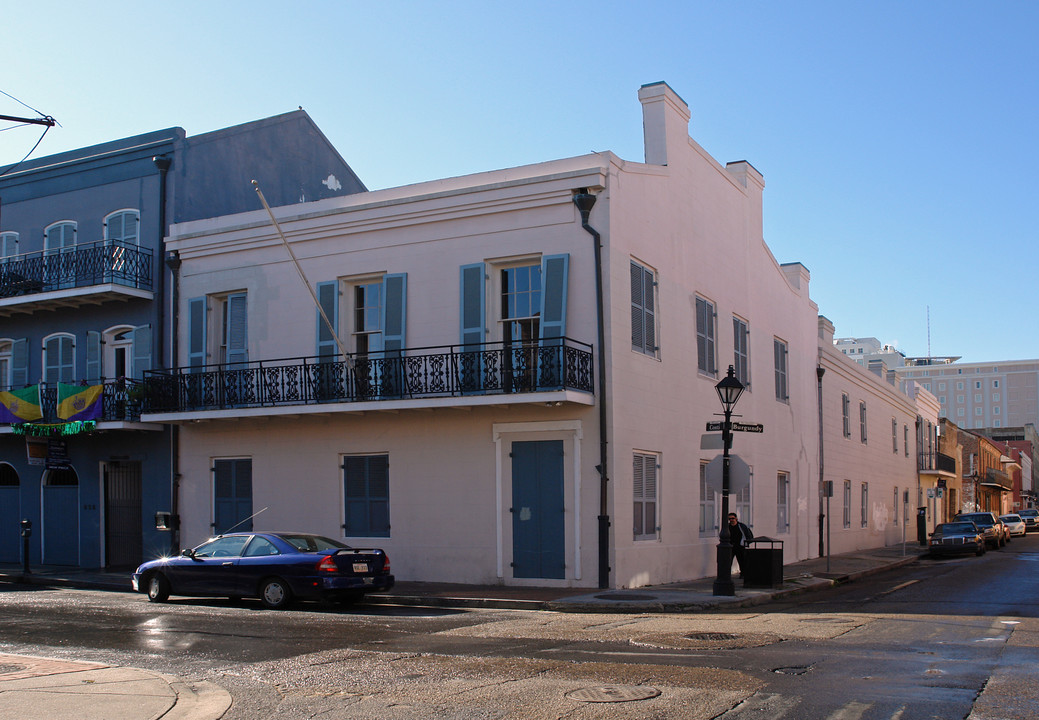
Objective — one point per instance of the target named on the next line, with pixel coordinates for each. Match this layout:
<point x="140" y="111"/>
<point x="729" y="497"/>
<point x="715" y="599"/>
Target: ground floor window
<point x="646" y="479"/>
<point x="864" y="511"/>
<point x="783" y="502"/>
<point x="847" y="503"/>
<point x="707" y="518"/>
<point x="366" y="484"/>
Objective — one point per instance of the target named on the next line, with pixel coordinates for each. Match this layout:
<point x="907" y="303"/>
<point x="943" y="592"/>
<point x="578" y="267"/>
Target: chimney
<point x="665" y="122"/>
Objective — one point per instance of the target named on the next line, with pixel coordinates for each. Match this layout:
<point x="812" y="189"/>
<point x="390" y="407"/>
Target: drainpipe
<point x="163" y="162"/>
<point x="584" y="202"/>
<point x="819" y="372"/>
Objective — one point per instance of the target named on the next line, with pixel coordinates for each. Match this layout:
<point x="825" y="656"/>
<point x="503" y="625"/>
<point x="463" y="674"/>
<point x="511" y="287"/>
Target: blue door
<point x="538" y="536"/>
<point x="61" y="518"/>
<point x="232" y="495"/>
<point x="10" y="530"/>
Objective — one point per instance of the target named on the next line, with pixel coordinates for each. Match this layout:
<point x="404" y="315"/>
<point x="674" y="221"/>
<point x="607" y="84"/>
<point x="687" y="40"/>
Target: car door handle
<point x="227" y="563"/>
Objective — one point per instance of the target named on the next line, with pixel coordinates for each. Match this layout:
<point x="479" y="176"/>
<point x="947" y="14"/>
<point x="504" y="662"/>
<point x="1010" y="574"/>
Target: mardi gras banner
<point x="76" y="402"/>
<point x="18" y="406"/>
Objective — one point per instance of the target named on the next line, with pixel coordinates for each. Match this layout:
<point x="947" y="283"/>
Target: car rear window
<point x="312" y="543"/>
<point x="957" y="528"/>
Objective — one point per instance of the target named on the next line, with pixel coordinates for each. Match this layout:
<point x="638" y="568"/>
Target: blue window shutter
<point x="237" y="340"/>
<point x="472" y="310"/>
<point x="197" y="332"/>
<point x="328" y="299"/>
<point x="20" y="363"/>
<point x="394" y="311"/>
<point x="142" y="350"/>
<point x="93" y="356"/>
<point x="554" y="269"/>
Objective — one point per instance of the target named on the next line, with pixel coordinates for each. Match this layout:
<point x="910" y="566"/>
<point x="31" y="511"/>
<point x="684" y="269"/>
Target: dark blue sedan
<point x="276" y="567"/>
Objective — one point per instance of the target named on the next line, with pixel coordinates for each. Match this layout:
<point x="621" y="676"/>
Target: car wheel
<point x="981" y="550"/>
<point x="158" y="588"/>
<point x="275" y="593"/>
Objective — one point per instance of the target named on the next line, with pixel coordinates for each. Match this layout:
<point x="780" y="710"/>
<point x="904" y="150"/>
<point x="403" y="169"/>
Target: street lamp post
<point x="729" y="391"/>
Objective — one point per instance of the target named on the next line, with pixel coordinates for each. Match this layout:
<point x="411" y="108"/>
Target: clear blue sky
<point x="897" y="138"/>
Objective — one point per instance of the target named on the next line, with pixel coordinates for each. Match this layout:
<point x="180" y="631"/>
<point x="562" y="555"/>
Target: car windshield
<point x="312" y="543"/>
<point x="1029" y="513"/>
<point x="957" y="528"/>
<point x="1010" y="518"/>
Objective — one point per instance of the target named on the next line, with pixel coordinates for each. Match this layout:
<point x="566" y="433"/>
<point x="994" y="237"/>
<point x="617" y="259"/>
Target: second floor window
<point x="846" y="414"/>
<point x="782" y="391"/>
<point x="741" y="350"/>
<point x="643" y="309"/>
<point x="123" y="226"/>
<point x="862" y="421"/>
<point x="521" y="304"/>
<point x="59" y="359"/>
<point x="705" y="362"/>
<point x="8" y="245"/>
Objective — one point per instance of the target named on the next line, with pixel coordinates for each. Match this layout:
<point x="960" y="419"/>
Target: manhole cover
<point x="793" y="670"/>
<point x="11" y="668"/>
<point x="614" y="693"/>
<point x="711" y="636"/>
<point x="626" y="597"/>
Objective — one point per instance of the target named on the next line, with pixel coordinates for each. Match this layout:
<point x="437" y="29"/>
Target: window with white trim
<point x="646" y="477"/>
<point x="59" y="358"/>
<point x="8" y="245"/>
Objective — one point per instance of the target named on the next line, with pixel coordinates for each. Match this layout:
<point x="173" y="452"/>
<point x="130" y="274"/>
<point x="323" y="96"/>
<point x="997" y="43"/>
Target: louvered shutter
<point x="237" y="341"/>
<point x="93" y="356"/>
<point x="197" y="332"/>
<point x="328" y="299"/>
<point x="554" y="269"/>
<point x="638" y="487"/>
<point x="472" y="310"/>
<point x="19" y="363"/>
<point x="394" y="297"/>
<point x="142" y="350"/>
<point x="638" y="321"/>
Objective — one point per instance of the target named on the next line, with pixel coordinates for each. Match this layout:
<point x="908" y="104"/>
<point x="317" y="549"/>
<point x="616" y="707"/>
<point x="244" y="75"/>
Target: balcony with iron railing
<point x="997" y="479"/>
<point x="934" y="462"/>
<point x="451" y="375"/>
<point x="121" y="402"/>
<point x="95" y="271"/>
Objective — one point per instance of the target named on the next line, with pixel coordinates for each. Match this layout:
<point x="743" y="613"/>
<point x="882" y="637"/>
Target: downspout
<point x="163" y="162"/>
<point x="584" y="202"/>
<point x="819" y="372"/>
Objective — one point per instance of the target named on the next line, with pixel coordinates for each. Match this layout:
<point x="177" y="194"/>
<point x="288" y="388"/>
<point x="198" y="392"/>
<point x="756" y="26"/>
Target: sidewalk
<point x="34" y="688"/>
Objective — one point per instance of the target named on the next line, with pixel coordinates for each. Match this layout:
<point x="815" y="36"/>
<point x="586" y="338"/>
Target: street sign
<point x="716" y="426"/>
<point x="711" y="442"/>
<point x="739" y="474"/>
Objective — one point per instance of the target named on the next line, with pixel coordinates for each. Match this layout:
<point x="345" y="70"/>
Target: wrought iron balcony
<point x="997" y="478"/>
<point x="936" y="461"/>
<point x="430" y="372"/>
<point x="97" y="263"/>
<point x="121" y="402"/>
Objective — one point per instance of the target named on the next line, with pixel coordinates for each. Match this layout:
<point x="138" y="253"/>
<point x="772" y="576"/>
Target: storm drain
<point x="614" y="693"/>
<point x="793" y="670"/>
<point x="710" y="636"/>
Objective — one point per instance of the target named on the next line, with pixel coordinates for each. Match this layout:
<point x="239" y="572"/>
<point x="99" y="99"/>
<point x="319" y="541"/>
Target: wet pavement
<point x="35" y="688"/>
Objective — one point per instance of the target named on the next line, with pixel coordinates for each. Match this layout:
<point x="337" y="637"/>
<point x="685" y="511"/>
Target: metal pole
<point x="723" y="584"/>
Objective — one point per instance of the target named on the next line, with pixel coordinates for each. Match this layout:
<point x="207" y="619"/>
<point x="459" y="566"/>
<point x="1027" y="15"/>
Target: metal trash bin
<point x="763" y="566"/>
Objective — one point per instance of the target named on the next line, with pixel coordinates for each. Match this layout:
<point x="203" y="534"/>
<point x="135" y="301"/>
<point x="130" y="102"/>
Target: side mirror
<point x="188" y="553"/>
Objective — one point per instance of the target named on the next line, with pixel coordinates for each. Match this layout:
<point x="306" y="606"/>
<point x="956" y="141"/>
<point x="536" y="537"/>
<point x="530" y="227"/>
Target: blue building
<point x="86" y="298"/>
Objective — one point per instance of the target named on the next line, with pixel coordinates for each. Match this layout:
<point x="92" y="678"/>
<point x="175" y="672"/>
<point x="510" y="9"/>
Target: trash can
<point x="763" y="563"/>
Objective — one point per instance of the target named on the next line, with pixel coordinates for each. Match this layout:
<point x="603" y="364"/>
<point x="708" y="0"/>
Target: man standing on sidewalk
<point x="739" y="536"/>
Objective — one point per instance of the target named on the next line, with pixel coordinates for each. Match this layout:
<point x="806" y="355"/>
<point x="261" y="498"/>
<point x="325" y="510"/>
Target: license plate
<point x="360" y="567"/>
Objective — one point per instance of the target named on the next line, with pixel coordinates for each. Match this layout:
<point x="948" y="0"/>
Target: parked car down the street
<point x="276" y="567"/>
<point x="1015" y="525"/>
<point x="991" y="527"/>
<point x="1031" y="518"/>
<point x="956" y="538"/>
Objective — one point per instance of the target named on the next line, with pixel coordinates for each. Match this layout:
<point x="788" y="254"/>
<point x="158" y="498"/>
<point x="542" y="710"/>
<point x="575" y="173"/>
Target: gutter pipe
<point x="584" y="202"/>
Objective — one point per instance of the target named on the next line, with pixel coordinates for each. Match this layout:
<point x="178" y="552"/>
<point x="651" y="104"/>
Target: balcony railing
<point x="443" y="371"/>
<point x="934" y="460"/>
<point x="121" y="402"/>
<point x="997" y="478"/>
<point x="96" y="263"/>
